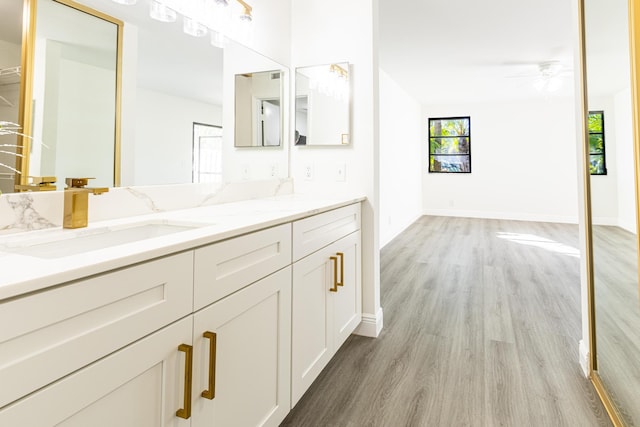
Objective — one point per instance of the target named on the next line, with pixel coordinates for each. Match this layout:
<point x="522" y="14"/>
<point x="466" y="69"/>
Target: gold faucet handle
<point x="43" y="180"/>
<point x="77" y="182"/>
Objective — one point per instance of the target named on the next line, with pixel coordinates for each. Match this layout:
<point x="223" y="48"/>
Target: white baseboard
<point x="371" y="325"/>
<point x="603" y="220"/>
<point x="583" y="351"/>
<point x="384" y="240"/>
<point x="502" y="215"/>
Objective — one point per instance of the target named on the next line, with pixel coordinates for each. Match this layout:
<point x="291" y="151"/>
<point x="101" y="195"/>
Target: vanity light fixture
<point x="202" y="16"/>
<point x="159" y="11"/>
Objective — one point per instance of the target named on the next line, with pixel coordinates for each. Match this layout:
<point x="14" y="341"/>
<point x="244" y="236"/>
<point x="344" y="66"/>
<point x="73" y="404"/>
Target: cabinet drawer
<point x="52" y="333"/>
<point x="318" y="231"/>
<point x="225" y="267"/>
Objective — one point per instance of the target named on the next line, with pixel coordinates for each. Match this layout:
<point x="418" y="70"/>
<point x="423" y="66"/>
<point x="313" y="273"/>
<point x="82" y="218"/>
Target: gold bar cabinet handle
<point x="210" y="393"/>
<point x="335" y="274"/>
<point x="188" y="379"/>
<point x="341" y="255"/>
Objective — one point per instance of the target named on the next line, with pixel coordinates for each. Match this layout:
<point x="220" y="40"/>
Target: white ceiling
<point x="452" y="51"/>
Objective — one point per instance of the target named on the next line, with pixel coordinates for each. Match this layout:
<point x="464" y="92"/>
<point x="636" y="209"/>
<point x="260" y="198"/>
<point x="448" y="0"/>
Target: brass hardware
<point x="335" y="274"/>
<point x="210" y="393"/>
<point x="38" y="183"/>
<point x="341" y="255"/>
<point x="341" y="72"/>
<point x="247" y="8"/>
<point x="76" y="202"/>
<point x="188" y="379"/>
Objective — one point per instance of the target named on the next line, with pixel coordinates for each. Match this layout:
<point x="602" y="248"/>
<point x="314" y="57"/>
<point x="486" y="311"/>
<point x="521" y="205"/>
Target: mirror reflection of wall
<point x="258" y="118"/>
<point x="322" y="105"/>
<point x="10" y="74"/>
<point x="613" y="204"/>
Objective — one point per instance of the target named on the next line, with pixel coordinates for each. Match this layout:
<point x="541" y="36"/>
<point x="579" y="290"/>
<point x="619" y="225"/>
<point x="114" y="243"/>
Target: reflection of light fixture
<point x="341" y="72"/>
<point x="160" y="12"/>
<point x="193" y="27"/>
<point x="202" y="16"/>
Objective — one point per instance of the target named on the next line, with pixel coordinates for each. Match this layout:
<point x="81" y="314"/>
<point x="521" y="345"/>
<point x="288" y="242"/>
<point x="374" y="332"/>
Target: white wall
<point x="164" y="132"/>
<point x="624" y="160"/>
<point x="523" y="163"/>
<point x="338" y="31"/>
<point x="400" y="159"/>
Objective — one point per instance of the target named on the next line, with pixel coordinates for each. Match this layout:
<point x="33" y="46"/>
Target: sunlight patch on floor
<point x="540" y="242"/>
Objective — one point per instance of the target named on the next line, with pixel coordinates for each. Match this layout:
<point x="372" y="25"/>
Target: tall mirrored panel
<point x="10" y="84"/>
<point x="613" y="204"/>
<point x="323" y="105"/>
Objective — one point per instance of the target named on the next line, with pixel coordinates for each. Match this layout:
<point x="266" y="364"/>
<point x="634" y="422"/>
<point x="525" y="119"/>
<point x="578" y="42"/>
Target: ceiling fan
<point x="547" y="77"/>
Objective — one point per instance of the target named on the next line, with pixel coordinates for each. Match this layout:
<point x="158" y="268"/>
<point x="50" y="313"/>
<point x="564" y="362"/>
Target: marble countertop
<point x="22" y="272"/>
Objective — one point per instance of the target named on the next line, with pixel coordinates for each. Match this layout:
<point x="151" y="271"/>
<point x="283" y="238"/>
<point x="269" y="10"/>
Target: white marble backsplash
<point x="39" y="210"/>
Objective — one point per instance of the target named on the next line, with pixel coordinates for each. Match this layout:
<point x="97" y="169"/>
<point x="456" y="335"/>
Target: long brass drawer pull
<point x="341" y="256"/>
<point x="210" y="393"/>
<point x="188" y="379"/>
<point x="335" y="274"/>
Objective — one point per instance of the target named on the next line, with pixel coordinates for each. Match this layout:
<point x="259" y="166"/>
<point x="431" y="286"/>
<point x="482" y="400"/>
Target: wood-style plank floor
<point x="618" y="318"/>
<point x="481" y="328"/>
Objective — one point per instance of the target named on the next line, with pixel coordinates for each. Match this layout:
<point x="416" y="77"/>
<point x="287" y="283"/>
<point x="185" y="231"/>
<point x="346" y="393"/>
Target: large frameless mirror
<point x="322" y="111"/>
<point x="613" y="205"/>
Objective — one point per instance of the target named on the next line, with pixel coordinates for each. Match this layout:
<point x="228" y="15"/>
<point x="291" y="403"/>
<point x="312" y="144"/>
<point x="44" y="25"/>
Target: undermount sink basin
<point x="62" y="243"/>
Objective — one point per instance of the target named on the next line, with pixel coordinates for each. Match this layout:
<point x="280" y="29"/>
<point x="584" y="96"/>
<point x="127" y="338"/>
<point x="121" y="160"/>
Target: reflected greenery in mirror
<point x="322" y="115"/>
<point x="258" y="109"/>
<point x="597" y="155"/>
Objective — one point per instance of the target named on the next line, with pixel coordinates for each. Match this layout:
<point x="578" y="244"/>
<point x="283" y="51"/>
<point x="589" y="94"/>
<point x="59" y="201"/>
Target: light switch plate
<point x="341" y="172"/>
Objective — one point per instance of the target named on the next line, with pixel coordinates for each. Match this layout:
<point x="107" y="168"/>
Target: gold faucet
<point x="76" y="202"/>
<point x="38" y="183"/>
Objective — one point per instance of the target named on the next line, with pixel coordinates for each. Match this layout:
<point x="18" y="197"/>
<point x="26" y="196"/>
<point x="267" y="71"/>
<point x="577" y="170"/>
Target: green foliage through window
<point x="597" y="161"/>
<point x="450" y="145"/>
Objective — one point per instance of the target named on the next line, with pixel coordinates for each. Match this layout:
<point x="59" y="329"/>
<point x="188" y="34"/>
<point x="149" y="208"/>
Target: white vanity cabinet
<point x="242" y="349"/>
<point x="326" y="299"/>
<point x="142" y="385"/>
<point x="227" y="334"/>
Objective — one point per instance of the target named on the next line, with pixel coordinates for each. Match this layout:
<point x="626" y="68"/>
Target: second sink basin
<point x="62" y="243"/>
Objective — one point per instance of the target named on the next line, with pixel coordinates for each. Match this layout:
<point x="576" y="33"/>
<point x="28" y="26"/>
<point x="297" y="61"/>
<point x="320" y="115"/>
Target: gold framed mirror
<point x="70" y="95"/>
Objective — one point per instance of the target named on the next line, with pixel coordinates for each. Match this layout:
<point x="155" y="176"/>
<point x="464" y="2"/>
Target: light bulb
<point x="193" y="27"/>
<point x="160" y="12"/>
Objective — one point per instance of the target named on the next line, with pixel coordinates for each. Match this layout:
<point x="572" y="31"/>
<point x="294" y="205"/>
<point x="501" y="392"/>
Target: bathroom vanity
<point x="220" y="315"/>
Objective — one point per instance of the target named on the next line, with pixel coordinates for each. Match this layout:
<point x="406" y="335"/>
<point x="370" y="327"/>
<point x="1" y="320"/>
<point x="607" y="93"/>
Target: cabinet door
<point x="347" y="302"/>
<point x="141" y="385"/>
<point x="252" y="356"/>
<point x="312" y="324"/>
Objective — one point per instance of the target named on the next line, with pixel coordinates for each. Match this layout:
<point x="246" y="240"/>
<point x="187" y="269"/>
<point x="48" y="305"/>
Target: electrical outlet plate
<point x="308" y="172"/>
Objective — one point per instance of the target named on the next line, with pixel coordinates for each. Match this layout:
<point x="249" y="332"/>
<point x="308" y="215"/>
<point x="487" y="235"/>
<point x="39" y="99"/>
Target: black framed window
<point x="597" y="158"/>
<point x="450" y="145"/>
